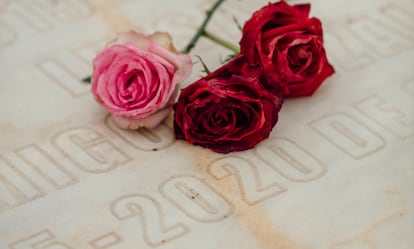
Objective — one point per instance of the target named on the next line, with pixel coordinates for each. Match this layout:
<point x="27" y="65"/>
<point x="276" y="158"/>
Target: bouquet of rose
<point x="235" y="107"/>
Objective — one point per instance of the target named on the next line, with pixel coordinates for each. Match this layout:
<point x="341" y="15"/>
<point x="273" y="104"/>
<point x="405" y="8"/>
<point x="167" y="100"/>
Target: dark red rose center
<point x="299" y="57"/>
<point x="221" y="118"/>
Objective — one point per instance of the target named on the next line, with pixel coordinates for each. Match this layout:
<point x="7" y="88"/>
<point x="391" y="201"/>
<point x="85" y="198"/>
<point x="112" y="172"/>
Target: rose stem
<point x="222" y="42"/>
<point x="202" y="28"/>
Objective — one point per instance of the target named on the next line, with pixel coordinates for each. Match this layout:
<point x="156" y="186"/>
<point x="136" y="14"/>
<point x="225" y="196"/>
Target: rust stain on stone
<point x="255" y="218"/>
<point x="115" y="20"/>
<point x="366" y="238"/>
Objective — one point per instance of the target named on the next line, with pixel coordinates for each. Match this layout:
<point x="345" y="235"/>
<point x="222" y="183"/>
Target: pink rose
<point x="136" y="77"/>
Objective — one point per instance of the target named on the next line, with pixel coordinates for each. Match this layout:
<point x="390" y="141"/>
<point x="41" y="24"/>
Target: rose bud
<point x="228" y="110"/>
<point x="135" y="78"/>
<point x="288" y="45"/>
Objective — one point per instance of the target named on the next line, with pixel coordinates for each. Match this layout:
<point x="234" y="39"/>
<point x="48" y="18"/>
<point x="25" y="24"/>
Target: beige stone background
<point x="337" y="172"/>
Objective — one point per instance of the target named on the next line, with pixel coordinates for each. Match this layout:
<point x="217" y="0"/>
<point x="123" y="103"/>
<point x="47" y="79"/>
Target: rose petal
<point x="267" y="40"/>
<point x="228" y="110"/>
<point x="149" y="122"/>
<point x="135" y="78"/>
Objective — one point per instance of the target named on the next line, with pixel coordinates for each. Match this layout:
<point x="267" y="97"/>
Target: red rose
<point x="289" y="47"/>
<point x="228" y="110"/>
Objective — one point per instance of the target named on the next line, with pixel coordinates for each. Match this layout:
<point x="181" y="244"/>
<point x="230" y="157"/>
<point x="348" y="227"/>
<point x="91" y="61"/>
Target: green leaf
<point x="237" y="23"/>
<point x="227" y="59"/>
<point x="87" y="79"/>
<point x="205" y="68"/>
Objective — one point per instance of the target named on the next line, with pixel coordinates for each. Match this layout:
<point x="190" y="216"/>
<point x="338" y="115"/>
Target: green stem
<point x="202" y="28"/>
<point x="220" y="41"/>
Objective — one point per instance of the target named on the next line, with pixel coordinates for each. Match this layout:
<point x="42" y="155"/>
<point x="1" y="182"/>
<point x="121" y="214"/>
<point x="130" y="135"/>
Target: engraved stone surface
<point x="336" y="173"/>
